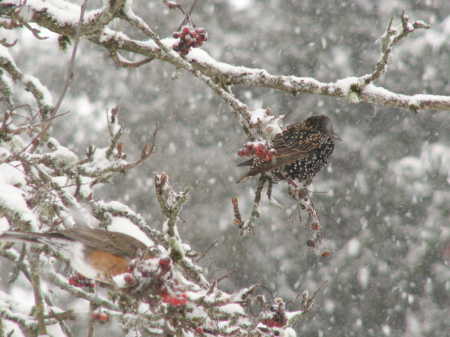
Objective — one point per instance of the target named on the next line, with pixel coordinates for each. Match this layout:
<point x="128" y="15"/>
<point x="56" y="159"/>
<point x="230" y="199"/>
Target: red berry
<point x="310" y="243"/>
<point x="270" y="322"/>
<point x="176" y="35"/>
<point x="185" y="30"/>
<point x="102" y="317"/>
<point x="99" y="316"/>
<point x="164" y="262"/>
<point x="182" y="300"/>
<point x="198" y="329"/>
<point x="166" y="298"/>
<point x="129" y="279"/>
<point x="325" y="253"/>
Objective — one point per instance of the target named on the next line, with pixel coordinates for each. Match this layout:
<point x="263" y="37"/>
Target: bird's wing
<point x="290" y="148"/>
<point x="116" y="243"/>
<point x="296" y="143"/>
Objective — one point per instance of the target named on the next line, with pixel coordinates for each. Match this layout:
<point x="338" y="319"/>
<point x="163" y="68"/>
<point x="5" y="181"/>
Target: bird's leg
<point x="298" y="194"/>
<point x="269" y="187"/>
<point x="291" y="182"/>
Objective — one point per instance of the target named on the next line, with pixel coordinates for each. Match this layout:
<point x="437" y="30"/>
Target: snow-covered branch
<point x="217" y="75"/>
<point x="389" y="39"/>
<point x="39" y="91"/>
<point x="49" y="188"/>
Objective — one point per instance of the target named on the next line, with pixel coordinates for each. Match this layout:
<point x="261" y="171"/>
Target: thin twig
<point x="206" y="251"/>
<point x="248" y="226"/>
<point x="237" y="214"/>
<point x="61" y="316"/>
<point x="389" y="39"/>
<point x="35" y="32"/>
<point x="228" y="275"/>
<point x="188" y="14"/>
<point x="35" y="140"/>
<point x="6" y="44"/>
<point x="120" y="62"/>
<point x="71" y="65"/>
<point x="36" y="284"/>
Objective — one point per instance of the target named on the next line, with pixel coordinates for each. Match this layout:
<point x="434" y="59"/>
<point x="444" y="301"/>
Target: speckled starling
<point x="302" y="150"/>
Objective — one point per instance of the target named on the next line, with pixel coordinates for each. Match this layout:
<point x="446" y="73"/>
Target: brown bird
<point x="301" y="151"/>
<point x="95" y="253"/>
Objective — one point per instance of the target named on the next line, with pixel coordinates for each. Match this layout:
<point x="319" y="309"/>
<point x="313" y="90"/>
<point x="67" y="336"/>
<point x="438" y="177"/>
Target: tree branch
<point x="211" y="72"/>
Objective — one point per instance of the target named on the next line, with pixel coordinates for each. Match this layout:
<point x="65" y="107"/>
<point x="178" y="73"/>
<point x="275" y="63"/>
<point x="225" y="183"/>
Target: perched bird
<point x="95" y="253"/>
<point x="301" y="151"/>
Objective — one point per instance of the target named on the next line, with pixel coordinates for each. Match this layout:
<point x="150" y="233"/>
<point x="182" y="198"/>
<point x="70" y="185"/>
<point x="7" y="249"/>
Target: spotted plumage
<point x="302" y="150"/>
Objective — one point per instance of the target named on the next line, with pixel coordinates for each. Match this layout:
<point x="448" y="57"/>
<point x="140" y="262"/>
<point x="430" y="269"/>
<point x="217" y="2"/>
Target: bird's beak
<point x="335" y="136"/>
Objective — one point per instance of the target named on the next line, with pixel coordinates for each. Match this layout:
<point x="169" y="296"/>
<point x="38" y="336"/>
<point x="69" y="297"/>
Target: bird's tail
<point x="246" y="176"/>
<point x="246" y="163"/>
<point x="243" y="178"/>
<point x="21" y="237"/>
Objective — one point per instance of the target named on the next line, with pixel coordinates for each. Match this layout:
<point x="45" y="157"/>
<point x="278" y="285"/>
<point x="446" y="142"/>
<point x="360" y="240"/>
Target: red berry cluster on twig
<point x="155" y="277"/>
<point x="317" y="241"/>
<point x="190" y="37"/>
<point x="81" y="281"/>
<point x="258" y="149"/>
<point x="301" y="195"/>
<point x="99" y="316"/>
<point x="275" y="317"/>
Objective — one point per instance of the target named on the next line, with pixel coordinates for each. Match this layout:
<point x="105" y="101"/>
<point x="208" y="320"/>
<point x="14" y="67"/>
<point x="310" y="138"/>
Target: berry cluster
<point x="317" y="241"/>
<point x="315" y="245"/>
<point x="190" y="37"/>
<point x="99" y="316"/>
<point x="155" y="277"/>
<point x="258" y="149"/>
<point x="81" y="281"/>
<point x="210" y="331"/>
<point x="275" y="317"/>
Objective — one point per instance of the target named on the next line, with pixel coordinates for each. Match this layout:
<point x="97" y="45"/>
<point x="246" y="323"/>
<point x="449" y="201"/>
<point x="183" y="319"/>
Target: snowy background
<point x="385" y="213"/>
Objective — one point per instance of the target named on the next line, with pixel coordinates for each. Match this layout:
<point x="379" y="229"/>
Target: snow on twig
<point x="220" y="76"/>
